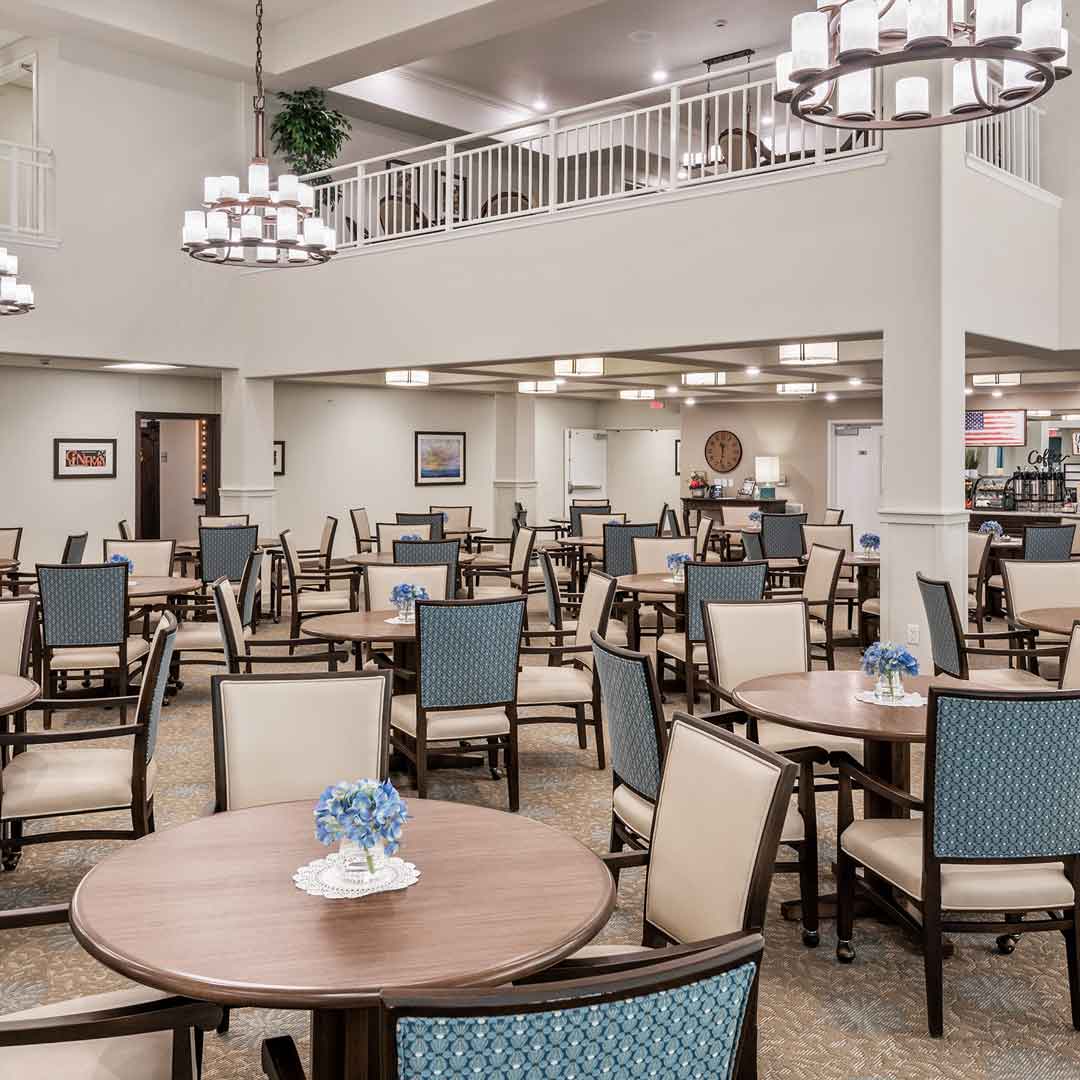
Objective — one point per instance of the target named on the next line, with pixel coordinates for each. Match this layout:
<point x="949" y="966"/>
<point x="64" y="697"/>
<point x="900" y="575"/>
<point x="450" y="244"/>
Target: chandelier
<point x="16" y="297"/>
<point x="261" y="226"/>
<point x="828" y="78"/>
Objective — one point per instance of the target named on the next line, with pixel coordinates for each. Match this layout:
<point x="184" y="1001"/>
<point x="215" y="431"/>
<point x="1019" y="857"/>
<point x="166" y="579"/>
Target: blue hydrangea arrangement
<point x="870" y="541"/>
<point x="411" y="536"/>
<point x="884" y="659"/>
<point x="993" y="528"/>
<point x="405" y="593"/>
<point x="124" y="561"/>
<point x="754" y="515"/>
<point x="676" y="562"/>
<point x="366" y="811"/>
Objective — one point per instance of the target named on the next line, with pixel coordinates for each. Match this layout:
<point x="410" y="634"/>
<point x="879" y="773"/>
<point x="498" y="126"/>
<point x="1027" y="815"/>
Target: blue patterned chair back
<point x="942" y="618"/>
<point x="1048" y="543"/>
<point x="552" y="592"/>
<point x="74" y="549"/>
<point x="619" y="546"/>
<point x="429" y="553"/>
<point x="781" y="535"/>
<point x="1002" y="775"/>
<point x="751" y="542"/>
<point x="224" y="551"/>
<point x="685" y="1021"/>
<point x="156" y="679"/>
<point x="671" y="520"/>
<point x="636" y="725"/>
<point x="707" y="581"/>
<point x="83" y="605"/>
<point x="577" y="511"/>
<point x="468" y="652"/>
<point x="436" y="521"/>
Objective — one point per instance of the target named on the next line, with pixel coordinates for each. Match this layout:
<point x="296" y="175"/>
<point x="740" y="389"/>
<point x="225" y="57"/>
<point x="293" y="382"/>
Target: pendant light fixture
<point x="837" y="51"/>
<point x="262" y="226"/>
<point x="581" y="366"/>
<point x="16" y="297"/>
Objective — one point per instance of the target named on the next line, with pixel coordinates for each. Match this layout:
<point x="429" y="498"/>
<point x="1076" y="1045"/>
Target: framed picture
<point x="279" y="457"/>
<point x="747" y="486"/>
<point x="1076" y="442"/>
<point x="407" y="185"/>
<point x="678" y="466"/>
<point x="81" y="459"/>
<point x="439" y="457"/>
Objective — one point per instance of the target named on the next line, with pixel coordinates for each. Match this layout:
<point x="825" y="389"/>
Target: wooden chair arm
<point x="546" y="633"/>
<point x="45" y="915"/>
<point x="897" y="796"/>
<point x="280" y="1060"/>
<point x="56" y="704"/>
<point x="554" y="650"/>
<point x="1049" y="651"/>
<point x="624" y="860"/>
<point x="1001" y="635"/>
<point x="31" y="738"/>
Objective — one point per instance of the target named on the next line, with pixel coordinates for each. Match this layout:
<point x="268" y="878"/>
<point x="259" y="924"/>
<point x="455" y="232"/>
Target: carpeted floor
<point x="1006" y="1018"/>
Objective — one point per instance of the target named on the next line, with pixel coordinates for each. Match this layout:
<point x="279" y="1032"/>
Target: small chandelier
<point x="704" y="378"/>
<point x="580" y="366"/>
<point x="261" y="226"/>
<point x="810" y="352"/>
<point x="828" y="77"/>
<point x="410" y="377"/>
<point x="16" y="297"/>
<point x="538" y="386"/>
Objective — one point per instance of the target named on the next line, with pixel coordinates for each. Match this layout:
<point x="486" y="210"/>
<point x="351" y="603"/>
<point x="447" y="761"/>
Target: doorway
<point x="856" y="466"/>
<point x="177" y="474"/>
<point x="586" y="465"/>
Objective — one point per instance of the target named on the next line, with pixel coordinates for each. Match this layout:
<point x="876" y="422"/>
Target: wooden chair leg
<point x="12" y="849"/>
<point x="512" y="778"/>
<point x="932" y="965"/>
<point x="615" y="844"/>
<point x="493" y="757"/>
<point x="1072" y="957"/>
<point x="691" y="683"/>
<point x="598" y="728"/>
<point x="845" y="906"/>
<point x="421" y="767"/>
<point x="579" y="712"/>
<point x="808" y="855"/>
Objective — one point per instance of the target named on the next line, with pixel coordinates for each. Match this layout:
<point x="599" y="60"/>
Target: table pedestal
<point x="345" y="1044"/>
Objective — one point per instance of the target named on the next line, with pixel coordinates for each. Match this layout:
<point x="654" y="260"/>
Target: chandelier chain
<point x="259" y="97"/>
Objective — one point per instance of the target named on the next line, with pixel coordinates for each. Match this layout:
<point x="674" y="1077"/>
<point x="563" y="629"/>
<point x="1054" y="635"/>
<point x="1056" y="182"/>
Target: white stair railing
<point x="27" y="180"/>
<point x="1009" y="141"/>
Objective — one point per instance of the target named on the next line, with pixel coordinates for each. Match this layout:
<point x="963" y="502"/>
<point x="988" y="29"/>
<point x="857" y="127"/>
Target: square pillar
<point x="247" y="449"/>
<point x="515" y="458"/>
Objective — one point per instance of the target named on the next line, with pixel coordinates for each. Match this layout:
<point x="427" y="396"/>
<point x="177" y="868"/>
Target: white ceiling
<point x="272" y="9"/>
<point x="590" y="55"/>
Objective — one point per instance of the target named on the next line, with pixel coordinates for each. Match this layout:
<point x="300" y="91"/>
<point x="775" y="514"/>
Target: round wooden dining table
<point x="360" y="627"/>
<point x="16" y="693"/>
<point x="386" y="558"/>
<point x="208" y="909"/>
<point x="1051" y="620"/>
<point x="140" y="586"/>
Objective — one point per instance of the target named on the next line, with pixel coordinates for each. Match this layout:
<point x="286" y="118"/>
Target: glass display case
<point x="993" y="493"/>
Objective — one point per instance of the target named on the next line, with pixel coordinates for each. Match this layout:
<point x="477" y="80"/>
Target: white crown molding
<point x="427" y="79"/>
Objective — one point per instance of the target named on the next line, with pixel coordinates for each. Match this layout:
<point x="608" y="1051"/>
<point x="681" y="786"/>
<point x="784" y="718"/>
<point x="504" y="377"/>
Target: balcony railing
<point x="1009" y="141"/>
<point x="27" y="180"/>
<point x="703" y="130"/>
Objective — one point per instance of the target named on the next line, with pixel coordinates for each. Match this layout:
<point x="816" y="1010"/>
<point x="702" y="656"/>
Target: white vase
<point x="358" y="863"/>
<point x="407" y="610"/>
<point x="890" y="687"/>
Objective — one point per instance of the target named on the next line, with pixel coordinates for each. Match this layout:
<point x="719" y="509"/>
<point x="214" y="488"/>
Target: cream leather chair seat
<point x="892" y="848"/>
<point x="616" y="630"/>
<point x="1010" y="679"/>
<point x="494" y="592"/>
<point x="323" y="601"/>
<point x="447" y="724"/>
<point x="201" y="635"/>
<point x="98" y="657"/>
<point x="632" y="810"/>
<point x="780" y="738"/>
<point x="995" y="582"/>
<point x="784" y="564"/>
<point x="57" y="781"/>
<point x="872" y="606"/>
<point x="147" y="1057"/>
<point x="675" y="645"/>
<point x="542" y="685"/>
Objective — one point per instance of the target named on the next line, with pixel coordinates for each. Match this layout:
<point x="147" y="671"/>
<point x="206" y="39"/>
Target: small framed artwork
<point x="1076" y="442"/>
<point x="747" y="486"/>
<point x="439" y="457"/>
<point x="83" y="459"/>
<point x="678" y="465"/>
<point x="279" y="457"/>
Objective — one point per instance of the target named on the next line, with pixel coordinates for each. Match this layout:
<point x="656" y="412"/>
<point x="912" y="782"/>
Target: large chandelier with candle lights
<point x="262" y="226"/>
<point x="16" y="297"/>
<point x="996" y="60"/>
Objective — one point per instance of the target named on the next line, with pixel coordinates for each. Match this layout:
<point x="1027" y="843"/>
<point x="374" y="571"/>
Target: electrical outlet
<point x="913" y="634"/>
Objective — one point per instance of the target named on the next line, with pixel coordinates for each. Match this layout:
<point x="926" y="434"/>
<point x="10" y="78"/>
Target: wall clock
<point x="723" y="451"/>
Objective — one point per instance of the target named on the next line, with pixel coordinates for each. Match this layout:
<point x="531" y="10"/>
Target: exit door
<point x="855" y="484"/>
<point x="586" y="465"/>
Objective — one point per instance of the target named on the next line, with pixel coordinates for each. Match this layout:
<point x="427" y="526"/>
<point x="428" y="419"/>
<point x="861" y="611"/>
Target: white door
<point x="586" y="465"/>
<point x="857" y="472"/>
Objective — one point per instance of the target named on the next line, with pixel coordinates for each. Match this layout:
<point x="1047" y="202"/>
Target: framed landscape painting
<point x="279" y="457"/>
<point x="81" y="459"/>
<point x="439" y="457"/>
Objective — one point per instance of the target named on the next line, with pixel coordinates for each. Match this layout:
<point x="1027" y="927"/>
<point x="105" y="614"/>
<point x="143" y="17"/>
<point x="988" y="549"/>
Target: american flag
<point x="998" y="427"/>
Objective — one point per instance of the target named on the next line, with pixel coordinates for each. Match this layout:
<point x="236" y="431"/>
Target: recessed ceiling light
<point x="642" y="37"/>
<point x="659" y="75"/>
<point x="753" y="371"/>
<point x="140" y="366"/>
<point x="854" y="381"/>
<point x="690" y="401"/>
<point x="540" y="105"/>
<point x="830" y="397"/>
<point x="997" y="393"/>
<point x="413" y="377"/>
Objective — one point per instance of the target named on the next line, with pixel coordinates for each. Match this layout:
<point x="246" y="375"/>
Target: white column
<point x="515" y="458"/>
<point x="924" y="523"/>
<point x="247" y="449"/>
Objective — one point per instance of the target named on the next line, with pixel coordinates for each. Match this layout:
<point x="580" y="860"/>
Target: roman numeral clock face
<point x="723" y="451"/>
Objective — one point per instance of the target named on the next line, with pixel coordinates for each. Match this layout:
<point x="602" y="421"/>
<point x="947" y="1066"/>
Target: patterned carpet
<point x="1006" y="1018"/>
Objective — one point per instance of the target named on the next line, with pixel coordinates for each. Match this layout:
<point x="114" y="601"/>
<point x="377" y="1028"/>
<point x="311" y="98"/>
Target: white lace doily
<point x="908" y="701"/>
<point x="397" y="620"/>
<point x="325" y="877"/>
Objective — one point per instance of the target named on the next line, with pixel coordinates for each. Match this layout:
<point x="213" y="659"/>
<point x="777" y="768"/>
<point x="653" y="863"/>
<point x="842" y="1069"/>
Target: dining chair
<point x="650" y="556"/>
<point x="18" y="626"/>
<point x="150" y="558"/>
<point x="361" y="529"/>
<point x="997" y="837"/>
<point x="84" y="627"/>
<point x="124" y="530"/>
<point x="782" y="542"/>
<point x="705" y="582"/>
<point x="10" y="542"/>
<point x="560" y="602"/>
<point x="398" y="214"/>
<point x="74" y="549"/>
<point x="948" y="644"/>
<point x="1041" y="543"/>
<point x="320" y="559"/>
<point x="619" y="545"/>
<point x="44" y="778"/>
<point x="978" y="569"/>
<point x="606" y="503"/>
<point x="703" y="536"/>
<point x="309" y="597"/>
<point x="219" y="521"/>
<point x="832" y="516"/>
<point x="751" y="545"/>
<point x="1070" y="667"/>
<point x="379" y="580"/>
<point x="842" y="537"/>
<point x="1031" y="585"/>
<point x="429" y="553"/>
<point x="578" y="511"/>
<point x="455" y="518"/>
<point x="434" y="522"/>
<point x="136" y="1033"/>
<point x="671" y="522"/>
<point x="259" y="756"/>
<point x="224" y="551"/>
<point x="568" y="681"/>
<point x="466" y="687"/>
<point x="819" y="582"/>
<point x="637" y="733"/>
<point x="506" y="202"/>
<point x="753" y="640"/>
<point x="386" y="534"/>
<point x="516" y="576"/>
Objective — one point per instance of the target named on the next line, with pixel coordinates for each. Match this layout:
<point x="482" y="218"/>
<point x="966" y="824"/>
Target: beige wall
<point x="797" y="432"/>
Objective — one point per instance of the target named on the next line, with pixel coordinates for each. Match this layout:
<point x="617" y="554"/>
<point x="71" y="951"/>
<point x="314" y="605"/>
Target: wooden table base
<point x="345" y="1044"/>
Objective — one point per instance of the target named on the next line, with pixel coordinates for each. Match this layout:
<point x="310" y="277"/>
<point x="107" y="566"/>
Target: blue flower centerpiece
<point x="993" y="528"/>
<point x="125" y="561"/>
<point x="365" y="817"/>
<point x="411" y="536"/>
<point x="870" y="543"/>
<point x="889" y="663"/>
<point x="404" y="596"/>
<point x="755" y="516"/>
<point x="676" y="564"/>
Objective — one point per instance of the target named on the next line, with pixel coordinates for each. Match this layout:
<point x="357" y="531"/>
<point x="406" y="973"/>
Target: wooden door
<point x="149" y="524"/>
